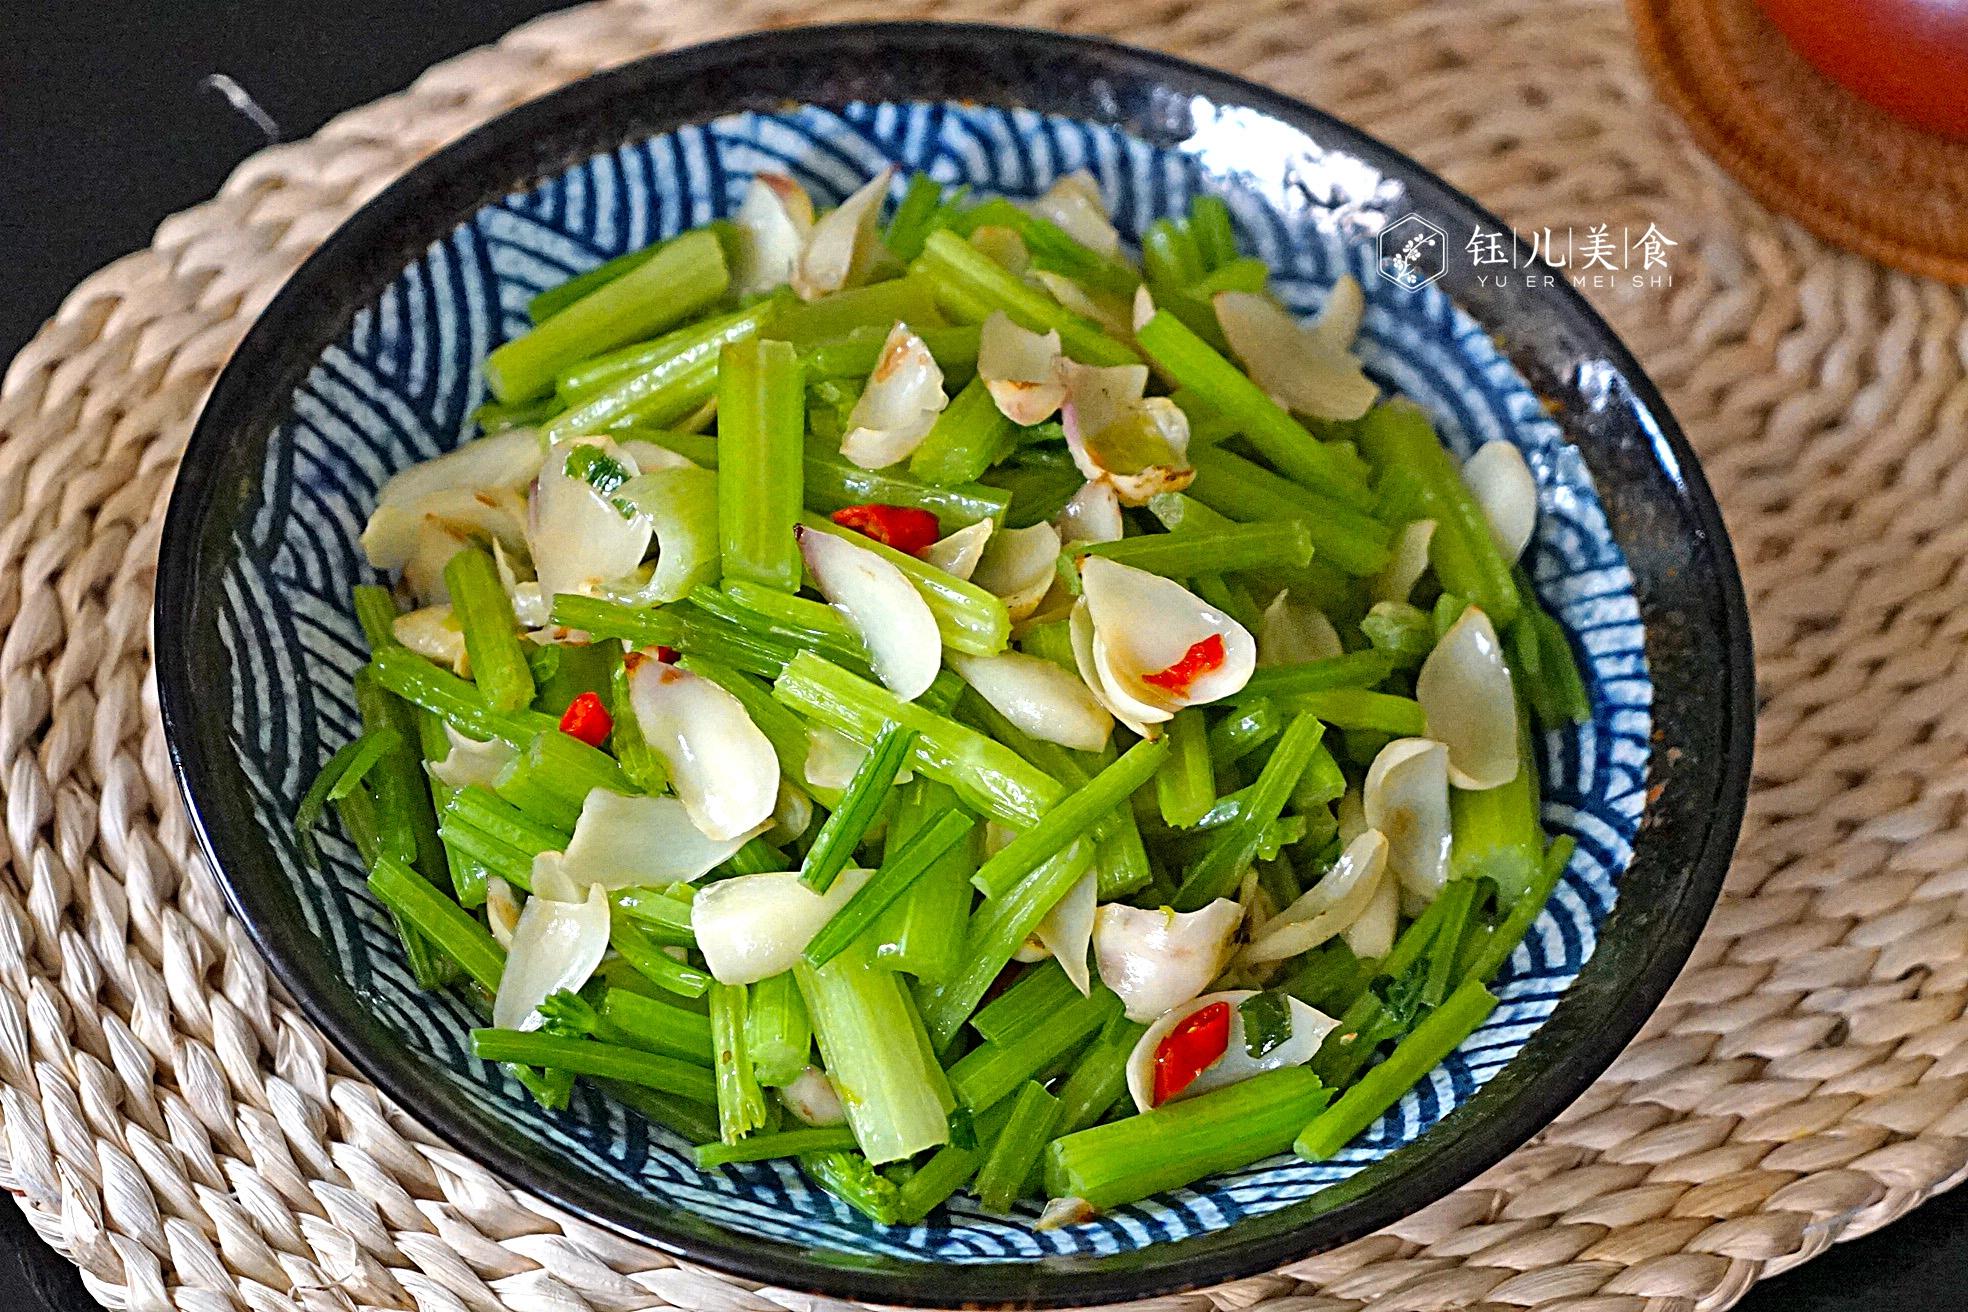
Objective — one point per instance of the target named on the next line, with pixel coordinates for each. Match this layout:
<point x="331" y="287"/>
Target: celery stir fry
<point x="931" y="696"/>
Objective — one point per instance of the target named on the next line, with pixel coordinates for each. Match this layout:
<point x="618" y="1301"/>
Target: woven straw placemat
<point x="174" y="1126"/>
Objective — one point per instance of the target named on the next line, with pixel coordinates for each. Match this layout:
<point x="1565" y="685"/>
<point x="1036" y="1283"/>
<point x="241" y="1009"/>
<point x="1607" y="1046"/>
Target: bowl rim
<point x="1486" y="1129"/>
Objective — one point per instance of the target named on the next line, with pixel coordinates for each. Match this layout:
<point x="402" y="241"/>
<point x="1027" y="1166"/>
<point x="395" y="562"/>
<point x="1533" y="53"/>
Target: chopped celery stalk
<point x="1331" y="978"/>
<point x="684" y="276"/>
<point x="964" y="275"/>
<point x="922" y="931"/>
<point x="1272" y="544"/>
<point x="842" y="646"/>
<point x="1121" y="859"/>
<point x="898" y="872"/>
<point x="678" y="625"/>
<point x="914" y="215"/>
<point x="656" y="1026"/>
<point x="376" y="612"/>
<point x="1356" y="708"/>
<point x="1420" y="1052"/>
<point x="659" y="383"/>
<point x="1265" y="424"/>
<point x="1496" y="834"/>
<point x="1054" y="249"/>
<point x="698" y="448"/>
<point x="441" y="921"/>
<point x="1354" y="669"/>
<point x="811" y="619"/>
<point x="495" y="418"/>
<point x="1014" y="1157"/>
<point x="1099" y="1076"/>
<point x="1232" y="850"/>
<point x="873" y="1044"/>
<point x="779" y="1143"/>
<point x="468" y="876"/>
<point x="755" y="858"/>
<point x="849" y="1177"/>
<point x="761" y="429"/>
<point x="337" y="778"/>
<point x="1033" y="492"/>
<point x="969" y="618"/>
<point x="523" y="786"/>
<point x="1216" y="239"/>
<point x="969" y="437"/>
<point x="641" y="766"/>
<point x="1036" y="994"/>
<point x="1181" y="1142"/>
<point x="1463" y="552"/>
<point x="1243" y="731"/>
<point x="1070" y="819"/>
<point x="856" y="355"/>
<point x="695" y="1121"/>
<point x="422" y="683"/>
<point x="1402" y="633"/>
<point x="998" y="928"/>
<point x="834" y="483"/>
<point x="1063" y="763"/>
<point x="1170" y="255"/>
<point x="1523" y="913"/>
<point x="1554" y="688"/>
<point x="545" y="305"/>
<point x="778" y="1033"/>
<point x="949" y="1170"/>
<point x="663" y="917"/>
<point x="647" y="958"/>
<point x="603" y="1060"/>
<point x="988" y="777"/>
<point x="867" y="793"/>
<point x="1343" y="535"/>
<point x="1458" y="899"/>
<point x="485" y="613"/>
<point x="992" y="1071"/>
<point x="482" y="827"/>
<point x="878" y="306"/>
<point x="741" y="1104"/>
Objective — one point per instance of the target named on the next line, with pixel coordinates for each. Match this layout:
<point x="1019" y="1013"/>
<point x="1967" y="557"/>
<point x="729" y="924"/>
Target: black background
<point x="106" y="128"/>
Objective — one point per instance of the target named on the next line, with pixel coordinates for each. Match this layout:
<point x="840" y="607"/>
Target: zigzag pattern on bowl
<point x="401" y="383"/>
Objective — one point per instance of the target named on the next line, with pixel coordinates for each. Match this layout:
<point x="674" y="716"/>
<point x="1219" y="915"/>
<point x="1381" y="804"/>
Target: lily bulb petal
<point x="1041" y="699"/>
<point x="1018" y="566"/>
<point x="721" y="766"/>
<point x="1023" y="370"/>
<point x="1504" y="487"/>
<point x="957" y="555"/>
<point x="1073" y="202"/>
<point x="774" y="222"/>
<point x="1340" y="897"/>
<point x="555" y="946"/>
<point x="1068" y="928"/>
<point x="1145" y="721"/>
<point x="1157" y="959"/>
<point x="1309" y="1028"/>
<point x="1406" y="797"/>
<point x="1093" y="515"/>
<point x="470" y="761"/>
<point x="881" y="606"/>
<point x="899" y="405"/>
<point x="844" y="243"/>
<point x="1338" y="321"/>
<point x="1407" y="563"/>
<point x="579" y="537"/>
<point x="1292" y="631"/>
<point x="1297" y="367"/>
<point x="1470" y="704"/>
<point x="1145" y="625"/>
<point x="755" y="926"/>
<point x="623" y="842"/>
<point x="434" y="633"/>
<point x="447" y="488"/>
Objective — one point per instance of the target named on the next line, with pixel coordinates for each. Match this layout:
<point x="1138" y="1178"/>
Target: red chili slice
<point x="1202" y="658"/>
<point x="587" y="719"/>
<point x="906" y="528"/>
<point x="1191" y="1048"/>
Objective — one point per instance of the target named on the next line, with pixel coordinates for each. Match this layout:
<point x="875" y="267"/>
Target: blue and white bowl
<point x="367" y="362"/>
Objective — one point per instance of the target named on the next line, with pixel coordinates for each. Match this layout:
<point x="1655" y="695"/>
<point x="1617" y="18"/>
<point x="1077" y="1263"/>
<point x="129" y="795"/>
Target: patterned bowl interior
<point x="400" y="384"/>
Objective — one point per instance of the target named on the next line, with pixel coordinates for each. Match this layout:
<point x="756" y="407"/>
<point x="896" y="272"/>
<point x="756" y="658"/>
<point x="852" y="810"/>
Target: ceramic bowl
<point x="366" y="362"/>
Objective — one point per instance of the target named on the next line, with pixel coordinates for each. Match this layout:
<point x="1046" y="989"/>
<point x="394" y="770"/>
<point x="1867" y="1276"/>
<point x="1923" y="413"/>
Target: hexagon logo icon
<point x="1413" y="252"/>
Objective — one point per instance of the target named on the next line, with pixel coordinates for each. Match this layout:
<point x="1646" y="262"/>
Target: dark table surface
<point x="107" y="126"/>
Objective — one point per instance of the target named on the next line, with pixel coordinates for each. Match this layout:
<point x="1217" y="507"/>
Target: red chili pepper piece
<point x="906" y="528"/>
<point x="667" y="655"/>
<point x="587" y="719"/>
<point x="1195" y="1043"/>
<point x="1202" y="658"/>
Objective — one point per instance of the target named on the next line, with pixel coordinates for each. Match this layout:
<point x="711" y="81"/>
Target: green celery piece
<point x="779" y="1143"/>
<point x="684" y="276"/>
<point x="1232" y="851"/>
<point x="441" y="921"/>
<point x="604" y="1060"/>
<point x="655" y="384"/>
<point x="970" y="436"/>
<point x="741" y="1104"/>
<point x="1343" y="535"/>
<point x="485" y="613"/>
<point x="779" y="1034"/>
<point x="924" y="929"/>
<point x="653" y="1025"/>
<point x="761" y="430"/>
<point x="1354" y="669"/>
<point x="865" y="796"/>
<point x="994" y="1070"/>
<point x="1073" y="817"/>
<point x="1014" y="1156"/>
<point x="956" y="267"/>
<point x="988" y="777"/>
<point x="899" y="870"/>
<point x="878" y="306"/>
<point x="1182" y="1141"/>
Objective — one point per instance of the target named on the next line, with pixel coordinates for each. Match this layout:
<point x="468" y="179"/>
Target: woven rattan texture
<point x="1804" y="145"/>
<point x="176" y="1127"/>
